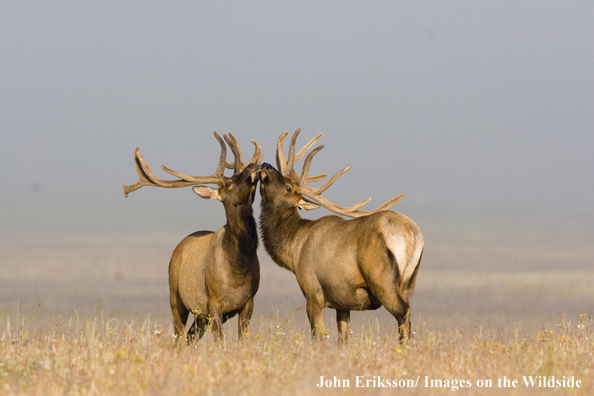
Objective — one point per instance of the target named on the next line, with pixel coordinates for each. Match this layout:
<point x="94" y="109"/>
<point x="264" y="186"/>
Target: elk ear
<point x="207" y="192"/>
<point x="307" y="205"/>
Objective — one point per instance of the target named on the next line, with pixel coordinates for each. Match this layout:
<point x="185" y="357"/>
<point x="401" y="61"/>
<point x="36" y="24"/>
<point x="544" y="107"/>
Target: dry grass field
<point x="88" y="314"/>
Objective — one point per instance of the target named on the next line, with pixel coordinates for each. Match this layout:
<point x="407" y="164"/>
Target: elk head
<point x="285" y="189"/>
<point x="233" y="191"/>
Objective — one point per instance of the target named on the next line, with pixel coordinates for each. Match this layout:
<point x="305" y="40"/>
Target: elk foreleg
<point x="198" y="327"/>
<point x="216" y="320"/>
<point x="315" y="314"/>
<point x="343" y="320"/>
<point x="244" y="317"/>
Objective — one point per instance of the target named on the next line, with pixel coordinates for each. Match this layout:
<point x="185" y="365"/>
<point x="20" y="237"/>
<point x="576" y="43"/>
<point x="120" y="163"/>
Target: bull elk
<point x="214" y="275"/>
<point x="349" y="265"/>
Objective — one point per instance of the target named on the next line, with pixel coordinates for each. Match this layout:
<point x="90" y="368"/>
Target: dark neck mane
<point x="241" y="235"/>
<point x="280" y="232"/>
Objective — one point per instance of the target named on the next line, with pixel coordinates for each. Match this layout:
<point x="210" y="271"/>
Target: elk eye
<point x="228" y="184"/>
<point x="288" y="188"/>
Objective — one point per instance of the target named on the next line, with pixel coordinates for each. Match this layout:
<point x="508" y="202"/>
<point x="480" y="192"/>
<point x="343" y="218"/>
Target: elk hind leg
<point x="401" y="311"/>
<point x="391" y="298"/>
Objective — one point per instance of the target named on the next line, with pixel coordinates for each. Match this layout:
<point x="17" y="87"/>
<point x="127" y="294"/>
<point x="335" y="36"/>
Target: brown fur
<point x="356" y="264"/>
<point x="214" y="276"/>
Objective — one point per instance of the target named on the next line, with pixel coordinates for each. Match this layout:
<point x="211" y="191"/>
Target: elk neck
<point x="241" y="235"/>
<point x="283" y="233"/>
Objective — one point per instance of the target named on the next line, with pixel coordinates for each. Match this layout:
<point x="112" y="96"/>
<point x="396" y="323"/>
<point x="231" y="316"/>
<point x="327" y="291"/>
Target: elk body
<point x="349" y="265"/>
<point x="214" y="276"/>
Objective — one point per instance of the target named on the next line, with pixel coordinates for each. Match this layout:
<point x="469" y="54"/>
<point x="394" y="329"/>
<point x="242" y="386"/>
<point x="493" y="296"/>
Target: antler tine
<point x="305" y="148"/>
<point x="351" y="211"/>
<point x="341" y="172"/>
<point x="306" y="165"/>
<point x="281" y="162"/>
<point x="305" y="179"/>
<point x="188" y="180"/>
<point x="385" y="206"/>
<point x="223" y="158"/>
<point x="291" y="160"/>
<point x="295" y="175"/>
<point x="390" y="203"/>
<point x="212" y="179"/>
<point x="223" y="164"/>
<point x="143" y="179"/>
<point x="316" y="193"/>
<point x="232" y="142"/>
<point x="147" y="178"/>
<point x="256" y="158"/>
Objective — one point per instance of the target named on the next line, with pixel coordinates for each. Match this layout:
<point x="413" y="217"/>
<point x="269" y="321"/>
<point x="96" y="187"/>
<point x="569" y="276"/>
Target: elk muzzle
<point x="266" y="170"/>
<point x="252" y="173"/>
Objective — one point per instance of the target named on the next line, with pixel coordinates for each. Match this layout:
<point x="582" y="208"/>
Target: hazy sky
<point x="467" y="107"/>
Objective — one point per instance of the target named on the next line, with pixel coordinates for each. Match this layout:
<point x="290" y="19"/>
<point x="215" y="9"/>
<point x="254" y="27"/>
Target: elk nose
<point x="253" y="165"/>
<point x="266" y="166"/>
